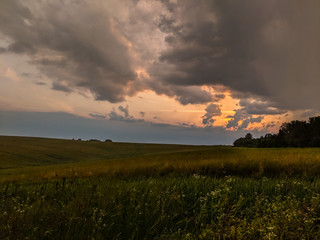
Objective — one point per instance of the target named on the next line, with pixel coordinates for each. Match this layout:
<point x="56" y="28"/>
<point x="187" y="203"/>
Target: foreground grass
<point x="194" y="207"/>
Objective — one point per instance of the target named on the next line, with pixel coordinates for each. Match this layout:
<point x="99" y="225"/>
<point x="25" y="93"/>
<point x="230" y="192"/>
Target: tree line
<point x="291" y="134"/>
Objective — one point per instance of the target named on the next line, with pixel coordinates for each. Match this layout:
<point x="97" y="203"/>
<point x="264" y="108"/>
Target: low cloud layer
<point x="63" y="125"/>
<point x="123" y="115"/>
<point x="263" y="49"/>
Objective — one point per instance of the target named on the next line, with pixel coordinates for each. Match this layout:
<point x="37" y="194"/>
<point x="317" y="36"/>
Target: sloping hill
<point x="17" y="152"/>
<point x="24" y="158"/>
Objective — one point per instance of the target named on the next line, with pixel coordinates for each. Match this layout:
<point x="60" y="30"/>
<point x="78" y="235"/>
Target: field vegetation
<point x="70" y="189"/>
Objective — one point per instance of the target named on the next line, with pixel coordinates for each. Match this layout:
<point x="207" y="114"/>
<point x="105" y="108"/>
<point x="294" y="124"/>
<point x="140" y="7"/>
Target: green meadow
<point x="70" y="189"/>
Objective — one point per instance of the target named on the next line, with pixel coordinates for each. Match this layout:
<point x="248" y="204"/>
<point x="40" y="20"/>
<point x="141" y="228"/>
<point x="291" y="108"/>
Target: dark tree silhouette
<point x="291" y="134"/>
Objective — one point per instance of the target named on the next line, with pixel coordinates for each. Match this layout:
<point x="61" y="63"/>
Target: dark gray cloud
<point x="309" y="113"/>
<point x="191" y="95"/>
<point x="241" y="119"/>
<point x="61" y="87"/>
<point x="238" y="116"/>
<point x="264" y="49"/>
<point x="123" y="115"/>
<point x="212" y="110"/>
<point x="41" y="83"/>
<point x="219" y="96"/>
<point x="27" y="75"/>
<point x="269" y="125"/>
<point x="97" y="116"/>
<point x="124" y="110"/>
<point x="184" y="94"/>
<point x="2" y="50"/>
<point x="249" y="120"/>
<point x="72" y="41"/>
<point x="259" y="108"/>
<point x="142" y="114"/>
<point x="114" y="116"/>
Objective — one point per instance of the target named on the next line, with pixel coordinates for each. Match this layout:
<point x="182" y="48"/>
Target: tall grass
<point x="194" y="207"/>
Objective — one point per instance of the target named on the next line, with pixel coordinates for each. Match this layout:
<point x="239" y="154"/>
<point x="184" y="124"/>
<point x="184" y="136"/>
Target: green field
<point x="70" y="189"/>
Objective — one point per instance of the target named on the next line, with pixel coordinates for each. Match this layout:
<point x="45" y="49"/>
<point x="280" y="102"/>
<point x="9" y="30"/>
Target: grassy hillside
<point x="31" y="151"/>
<point x="40" y="158"/>
<point x="65" y="189"/>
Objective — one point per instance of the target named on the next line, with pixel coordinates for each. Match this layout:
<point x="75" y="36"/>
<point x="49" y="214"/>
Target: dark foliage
<point x="291" y="134"/>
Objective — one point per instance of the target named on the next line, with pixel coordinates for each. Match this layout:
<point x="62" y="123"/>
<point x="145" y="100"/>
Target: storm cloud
<point x="263" y="49"/>
<point x="73" y="42"/>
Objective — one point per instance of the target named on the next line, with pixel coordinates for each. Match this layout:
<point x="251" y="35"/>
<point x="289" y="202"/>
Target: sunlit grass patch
<point x="209" y="161"/>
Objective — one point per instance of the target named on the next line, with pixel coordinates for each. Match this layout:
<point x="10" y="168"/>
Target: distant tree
<point x="315" y="129"/>
<point x="248" y="136"/>
<point x="295" y="134"/>
<point x="239" y="142"/>
<point x="247" y="141"/>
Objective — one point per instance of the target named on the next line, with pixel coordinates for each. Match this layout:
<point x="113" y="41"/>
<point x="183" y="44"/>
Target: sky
<point x="163" y="71"/>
